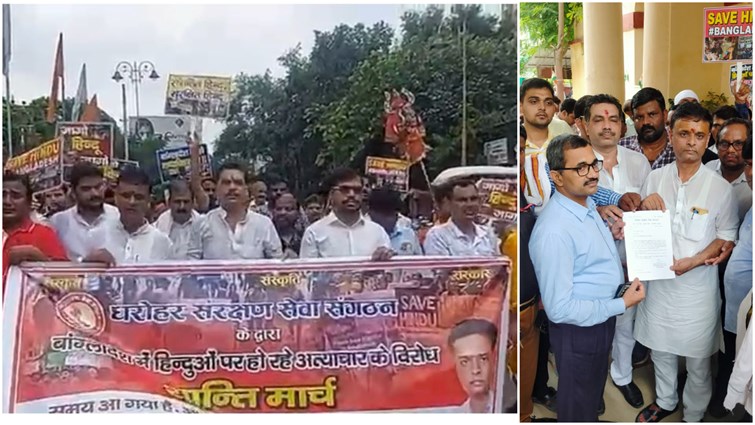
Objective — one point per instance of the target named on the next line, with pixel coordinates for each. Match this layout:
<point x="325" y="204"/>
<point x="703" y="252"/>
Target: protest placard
<point x="176" y="162"/>
<point x="198" y="95"/>
<point x="85" y="141"/>
<point x="388" y="173"/>
<point x="43" y="166"/>
<point x="304" y="336"/>
<point x="727" y="35"/>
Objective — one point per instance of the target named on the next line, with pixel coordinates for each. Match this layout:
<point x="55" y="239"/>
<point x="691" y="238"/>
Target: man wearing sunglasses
<point x="345" y="232"/>
<point x="579" y="274"/>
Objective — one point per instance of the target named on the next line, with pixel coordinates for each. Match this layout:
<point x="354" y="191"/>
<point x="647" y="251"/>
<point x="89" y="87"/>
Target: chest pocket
<point x="695" y="225"/>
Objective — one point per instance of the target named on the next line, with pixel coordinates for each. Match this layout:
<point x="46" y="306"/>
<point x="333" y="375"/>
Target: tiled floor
<point x="618" y="410"/>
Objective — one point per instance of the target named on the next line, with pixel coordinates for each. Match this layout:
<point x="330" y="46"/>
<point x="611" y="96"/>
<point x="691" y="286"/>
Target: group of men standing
<point x="573" y="238"/>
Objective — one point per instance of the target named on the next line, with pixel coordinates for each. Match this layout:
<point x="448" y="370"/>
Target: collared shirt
<point x="330" y="237"/>
<point x="448" y="240"/>
<point x="558" y="127"/>
<point x="533" y="149"/>
<point x="738" y="276"/>
<point x="79" y="237"/>
<point x="145" y="245"/>
<point x="30" y="233"/>
<point x="253" y="238"/>
<point x="576" y="263"/>
<point x="628" y="175"/>
<point x="742" y="190"/>
<point x="186" y="237"/>
<point x="665" y="158"/>
<point x="404" y="241"/>
<point x="467" y="408"/>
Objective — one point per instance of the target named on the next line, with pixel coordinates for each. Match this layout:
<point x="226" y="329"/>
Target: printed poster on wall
<point x="304" y="336"/>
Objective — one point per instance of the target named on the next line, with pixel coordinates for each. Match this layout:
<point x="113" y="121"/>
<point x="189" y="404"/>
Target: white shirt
<point x="145" y="245"/>
<point x="253" y="238"/>
<point x="742" y="191"/>
<point x="186" y="237"/>
<point x="466" y="408"/>
<point x="80" y="238"/>
<point x="330" y="237"/>
<point x="558" y="127"/>
<point x="448" y="240"/>
<point x="682" y="316"/>
<point x="629" y="173"/>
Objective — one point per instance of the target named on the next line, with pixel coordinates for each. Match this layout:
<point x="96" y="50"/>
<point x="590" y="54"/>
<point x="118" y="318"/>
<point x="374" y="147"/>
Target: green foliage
<point x="539" y="21"/>
<point x="714" y="101"/>
<point x="327" y="111"/>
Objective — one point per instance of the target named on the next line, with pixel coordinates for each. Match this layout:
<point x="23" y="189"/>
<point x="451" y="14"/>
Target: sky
<point x="219" y="40"/>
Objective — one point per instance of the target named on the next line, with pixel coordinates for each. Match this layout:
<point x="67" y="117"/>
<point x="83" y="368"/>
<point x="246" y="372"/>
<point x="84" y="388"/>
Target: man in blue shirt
<point x="579" y="273"/>
<point x="384" y="205"/>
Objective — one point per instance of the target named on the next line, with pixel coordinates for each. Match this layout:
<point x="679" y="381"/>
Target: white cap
<point x="685" y="94"/>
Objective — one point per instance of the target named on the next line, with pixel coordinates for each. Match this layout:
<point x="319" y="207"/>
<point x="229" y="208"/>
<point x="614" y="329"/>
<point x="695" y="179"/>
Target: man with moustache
<point x="182" y="223"/>
<point x="460" y="236"/>
<point x="131" y="239"/>
<point x="345" y="232"/>
<point x="285" y="212"/>
<point x="579" y="273"/>
<point x="56" y="200"/>
<point x="681" y="316"/>
<point x="233" y="232"/>
<point x="23" y="239"/>
<point x="80" y="227"/>
<point x="649" y="108"/>
<point x="535" y="100"/>
<point x="623" y="171"/>
<point x="732" y="136"/>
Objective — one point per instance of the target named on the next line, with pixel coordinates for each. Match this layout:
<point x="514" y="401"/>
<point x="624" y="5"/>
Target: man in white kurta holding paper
<point x="624" y="171"/>
<point x="681" y="317"/>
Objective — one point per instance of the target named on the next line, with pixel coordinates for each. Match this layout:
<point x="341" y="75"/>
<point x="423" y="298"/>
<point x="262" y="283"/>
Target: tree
<point x="549" y="26"/>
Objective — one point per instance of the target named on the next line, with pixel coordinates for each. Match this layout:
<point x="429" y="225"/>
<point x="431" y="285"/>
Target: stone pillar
<point x="604" y="49"/>
<point x="656" y="70"/>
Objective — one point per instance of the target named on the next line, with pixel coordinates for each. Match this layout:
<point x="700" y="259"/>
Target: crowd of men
<point x="582" y="167"/>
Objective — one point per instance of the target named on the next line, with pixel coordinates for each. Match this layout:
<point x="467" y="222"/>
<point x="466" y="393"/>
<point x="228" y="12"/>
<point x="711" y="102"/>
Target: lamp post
<point x="135" y="72"/>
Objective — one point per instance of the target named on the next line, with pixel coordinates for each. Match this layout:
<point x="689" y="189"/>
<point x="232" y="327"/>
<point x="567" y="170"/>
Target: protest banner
<point x="388" y="172"/>
<point x="43" y="166"/>
<point x="727" y="35"/>
<point x="176" y="162"/>
<point x="499" y="200"/>
<point x="305" y="336"/>
<point x="198" y="95"/>
<point x="86" y="141"/>
<point x="173" y="130"/>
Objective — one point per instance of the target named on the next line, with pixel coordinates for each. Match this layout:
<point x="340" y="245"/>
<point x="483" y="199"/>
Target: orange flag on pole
<point x="91" y="111"/>
<point x="57" y="81"/>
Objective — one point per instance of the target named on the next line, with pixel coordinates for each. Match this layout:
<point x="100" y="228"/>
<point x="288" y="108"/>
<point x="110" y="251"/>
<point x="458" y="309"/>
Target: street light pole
<point x="125" y="122"/>
<point x="464" y="91"/>
<point x="135" y="72"/>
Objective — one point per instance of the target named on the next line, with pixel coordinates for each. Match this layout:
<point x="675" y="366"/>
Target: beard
<point x="642" y="137"/>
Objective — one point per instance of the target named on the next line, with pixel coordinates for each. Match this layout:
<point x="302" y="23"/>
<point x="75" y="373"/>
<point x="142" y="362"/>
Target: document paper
<point x="650" y="252"/>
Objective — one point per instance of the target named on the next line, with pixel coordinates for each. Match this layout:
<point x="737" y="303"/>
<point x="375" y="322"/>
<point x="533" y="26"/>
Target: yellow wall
<point x="686" y="54"/>
<point x="685" y="28"/>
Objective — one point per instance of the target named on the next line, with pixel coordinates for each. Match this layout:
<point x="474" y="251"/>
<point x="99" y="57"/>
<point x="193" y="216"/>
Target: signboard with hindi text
<point x="176" y="162"/>
<point x="388" y="173"/>
<point x="727" y="35"/>
<point x="302" y="336"/>
<point x="198" y="95"/>
<point x="745" y="78"/>
<point x="86" y="141"/>
<point x="43" y="165"/>
<point x="499" y="199"/>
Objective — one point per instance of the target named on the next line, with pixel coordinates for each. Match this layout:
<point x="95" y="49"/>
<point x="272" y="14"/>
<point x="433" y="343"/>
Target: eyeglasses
<point x="738" y="145"/>
<point x="584" y="169"/>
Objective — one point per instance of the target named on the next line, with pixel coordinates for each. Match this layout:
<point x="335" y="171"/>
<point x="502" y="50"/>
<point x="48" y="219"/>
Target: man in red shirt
<point x="24" y="240"/>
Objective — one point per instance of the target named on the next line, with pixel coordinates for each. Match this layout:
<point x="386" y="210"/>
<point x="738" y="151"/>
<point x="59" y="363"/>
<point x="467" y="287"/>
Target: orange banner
<point x="414" y="334"/>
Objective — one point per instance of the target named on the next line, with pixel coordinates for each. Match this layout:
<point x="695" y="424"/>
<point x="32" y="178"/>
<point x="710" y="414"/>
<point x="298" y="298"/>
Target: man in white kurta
<point x="681" y="317"/>
<point x="624" y="171"/>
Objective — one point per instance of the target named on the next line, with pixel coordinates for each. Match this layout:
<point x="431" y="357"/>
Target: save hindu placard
<point x="308" y="336"/>
<point x="43" y="166"/>
<point x="727" y="35"/>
